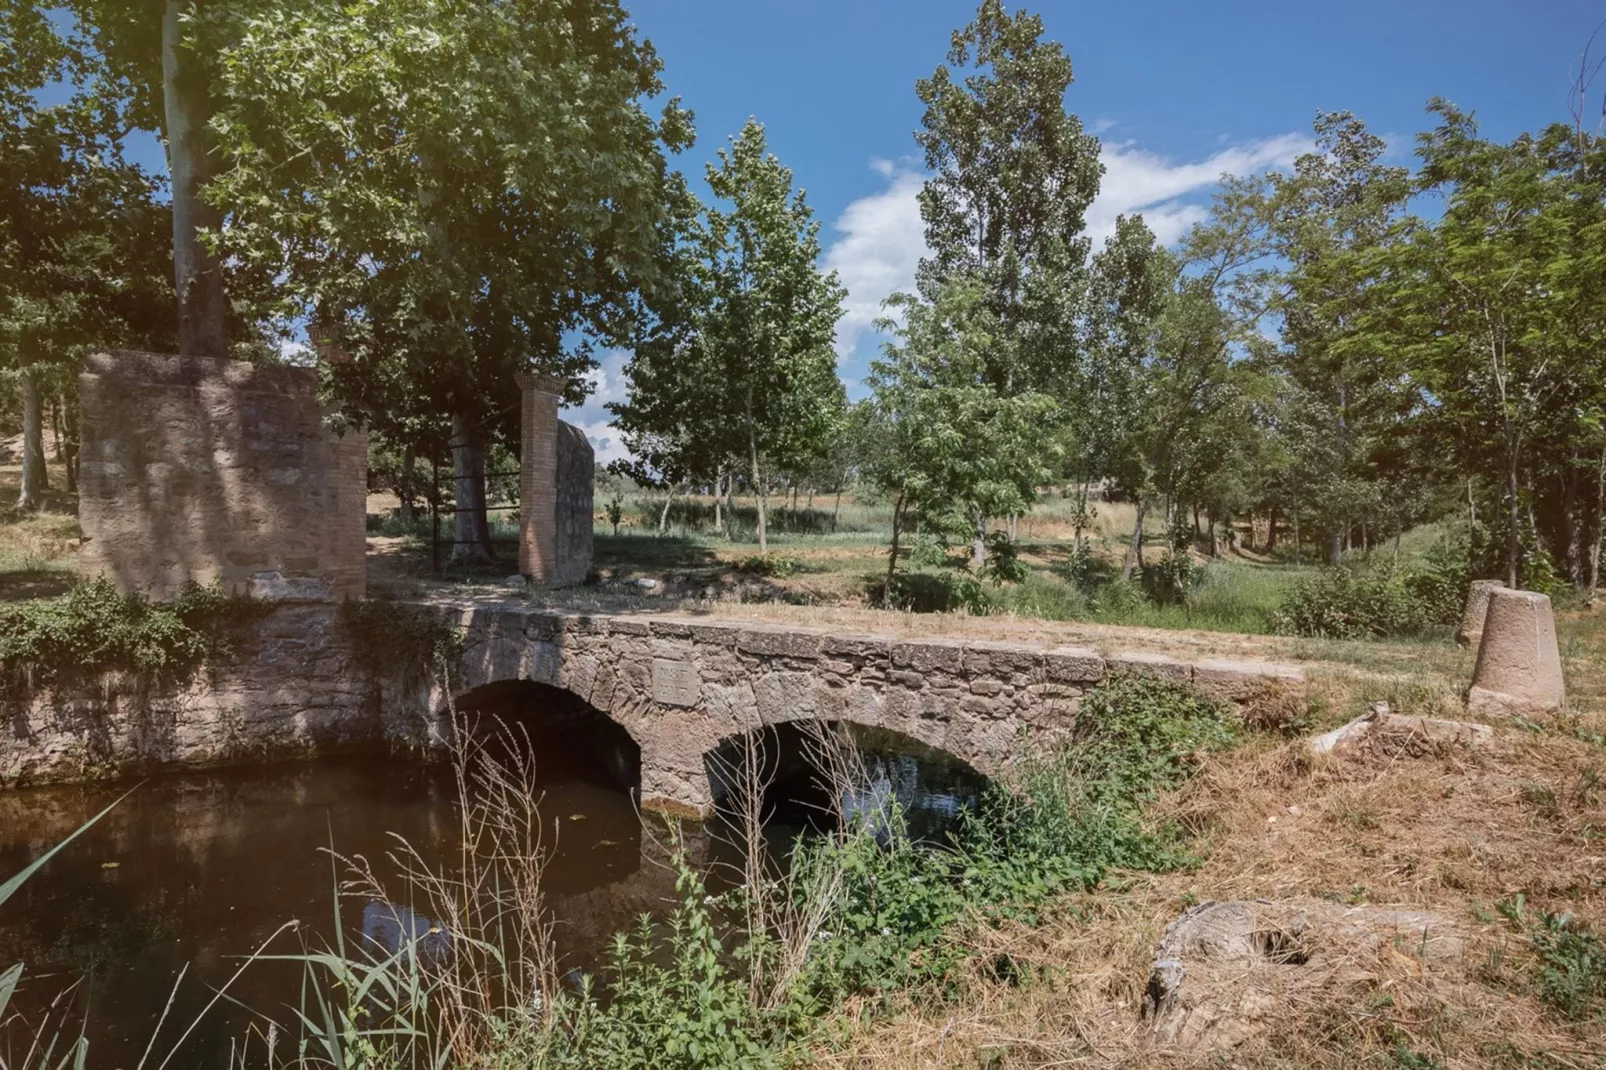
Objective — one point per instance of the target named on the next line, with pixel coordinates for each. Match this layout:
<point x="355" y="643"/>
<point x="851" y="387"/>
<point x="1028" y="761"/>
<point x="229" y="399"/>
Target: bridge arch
<point x="568" y="738"/>
<point x="810" y="772"/>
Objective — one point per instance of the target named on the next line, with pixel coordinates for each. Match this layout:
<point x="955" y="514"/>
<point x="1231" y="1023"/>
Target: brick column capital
<point x="537" y="383"/>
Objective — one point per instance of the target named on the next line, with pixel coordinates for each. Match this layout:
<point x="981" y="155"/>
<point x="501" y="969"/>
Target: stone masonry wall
<point x="679" y="686"/>
<point x="212" y="470"/>
<point x="575" y="512"/>
<point x="292" y="690"/>
<point x="682" y="686"/>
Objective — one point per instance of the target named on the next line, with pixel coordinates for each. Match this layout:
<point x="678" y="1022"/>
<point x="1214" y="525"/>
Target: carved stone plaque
<point x="675" y="683"/>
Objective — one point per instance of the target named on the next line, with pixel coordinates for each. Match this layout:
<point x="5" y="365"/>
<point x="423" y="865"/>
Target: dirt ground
<point x="1480" y="836"/>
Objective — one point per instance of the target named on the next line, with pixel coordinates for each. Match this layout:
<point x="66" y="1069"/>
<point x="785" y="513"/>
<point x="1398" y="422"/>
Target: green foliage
<point x="1002" y="563"/>
<point x="1360" y="601"/>
<point x="387" y="638"/>
<point x="1170" y="580"/>
<point x="1571" y="967"/>
<point x="1063" y="820"/>
<point x="777" y="566"/>
<point x="93" y="629"/>
<point x="674" y="1002"/>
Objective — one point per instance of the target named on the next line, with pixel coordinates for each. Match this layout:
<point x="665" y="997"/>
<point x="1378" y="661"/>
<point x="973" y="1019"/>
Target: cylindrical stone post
<point x="538" y="477"/>
<point x="1477" y="608"/>
<point x="1519" y="665"/>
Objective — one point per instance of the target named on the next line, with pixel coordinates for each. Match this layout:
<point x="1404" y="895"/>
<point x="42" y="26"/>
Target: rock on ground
<point x="1225" y="972"/>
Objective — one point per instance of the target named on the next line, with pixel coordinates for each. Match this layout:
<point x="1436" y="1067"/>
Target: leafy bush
<point x="1169" y="580"/>
<point x="774" y="566"/>
<point x="1356" y="602"/>
<point x="94" y="629"/>
<point x="1003" y="564"/>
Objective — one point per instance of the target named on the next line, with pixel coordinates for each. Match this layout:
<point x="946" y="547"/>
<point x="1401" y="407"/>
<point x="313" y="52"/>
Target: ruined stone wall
<point x="576" y="508"/>
<point x="212" y="470"/>
<point x="556" y="472"/>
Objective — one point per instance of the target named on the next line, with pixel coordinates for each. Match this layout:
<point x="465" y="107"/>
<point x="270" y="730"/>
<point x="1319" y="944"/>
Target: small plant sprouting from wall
<point x="93" y="629"/>
<point x="387" y="638"/>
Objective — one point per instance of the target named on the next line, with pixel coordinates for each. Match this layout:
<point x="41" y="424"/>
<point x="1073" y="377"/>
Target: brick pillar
<point x="538" y="477"/>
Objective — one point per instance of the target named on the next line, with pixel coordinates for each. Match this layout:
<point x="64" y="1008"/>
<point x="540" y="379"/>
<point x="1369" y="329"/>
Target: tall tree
<point x="82" y="259"/>
<point x="456" y="191"/>
<point x="932" y="398"/>
<point x="1012" y="176"/>
<point x="746" y="356"/>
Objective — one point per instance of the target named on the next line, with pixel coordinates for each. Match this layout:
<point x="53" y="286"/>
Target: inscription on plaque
<point x="674" y="683"/>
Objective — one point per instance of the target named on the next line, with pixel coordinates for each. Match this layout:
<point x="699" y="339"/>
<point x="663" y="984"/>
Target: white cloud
<point x="882" y="242"/>
<point x="1136" y="180"/>
<point x="882" y="237"/>
<point x="607" y="384"/>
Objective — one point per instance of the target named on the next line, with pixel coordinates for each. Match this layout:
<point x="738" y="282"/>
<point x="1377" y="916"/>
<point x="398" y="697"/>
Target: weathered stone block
<point x="1143" y="663"/>
<point x="1237" y="680"/>
<point x="217" y="471"/>
<point x="675" y="682"/>
<point x="930" y="655"/>
<point x="1477" y="608"/>
<point x="779" y="642"/>
<point x="1074" y="665"/>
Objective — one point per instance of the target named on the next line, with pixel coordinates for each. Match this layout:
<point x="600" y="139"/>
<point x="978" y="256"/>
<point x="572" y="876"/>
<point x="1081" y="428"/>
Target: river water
<point x="199" y="869"/>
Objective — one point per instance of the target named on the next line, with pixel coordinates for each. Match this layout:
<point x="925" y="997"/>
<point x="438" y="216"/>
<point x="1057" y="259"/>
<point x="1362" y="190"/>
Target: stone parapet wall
<point x="217" y="471"/>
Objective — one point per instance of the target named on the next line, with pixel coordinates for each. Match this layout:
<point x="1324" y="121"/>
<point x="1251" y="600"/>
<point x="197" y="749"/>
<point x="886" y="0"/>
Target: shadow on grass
<point x="23" y="584"/>
<point x="651" y="553"/>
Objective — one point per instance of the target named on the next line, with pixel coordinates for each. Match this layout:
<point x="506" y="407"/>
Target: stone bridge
<point x="682" y="685"/>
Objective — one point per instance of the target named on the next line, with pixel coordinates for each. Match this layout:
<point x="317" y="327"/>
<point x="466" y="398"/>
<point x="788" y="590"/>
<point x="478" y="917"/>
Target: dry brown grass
<point x="1455" y="832"/>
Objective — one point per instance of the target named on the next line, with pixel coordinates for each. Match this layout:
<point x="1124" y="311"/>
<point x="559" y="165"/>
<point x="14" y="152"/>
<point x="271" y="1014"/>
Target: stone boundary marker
<point x="1519" y="664"/>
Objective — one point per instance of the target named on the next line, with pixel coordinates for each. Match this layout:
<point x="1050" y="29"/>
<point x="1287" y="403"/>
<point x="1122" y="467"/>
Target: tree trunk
<point x="1215" y="545"/>
<point x="663" y="514"/>
<point x="404" y="487"/>
<point x="719" y="490"/>
<point x="55" y="429"/>
<point x="1600" y="525"/>
<point x="69" y="421"/>
<point x="471" y="523"/>
<point x="758" y="481"/>
<point x="1513" y="515"/>
<point x="1271" y="530"/>
<point x="1298" y="545"/>
<point x="1134" y="550"/>
<point x="978" y="544"/>
<point x="730" y="506"/>
<point x="836" y="510"/>
<point x="197" y="277"/>
<point x="33" y="442"/>
<point x="892" y="554"/>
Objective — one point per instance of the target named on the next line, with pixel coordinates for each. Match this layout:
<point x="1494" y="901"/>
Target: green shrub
<point x="94" y="629"/>
<point x="1003" y="564"/>
<point x="1356" y="602"/>
<point x="775" y="566"/>
<point x="1571" y="964"/>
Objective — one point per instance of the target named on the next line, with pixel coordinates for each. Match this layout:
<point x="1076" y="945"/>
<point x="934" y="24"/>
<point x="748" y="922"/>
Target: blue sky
<point x="1178" y="92"/>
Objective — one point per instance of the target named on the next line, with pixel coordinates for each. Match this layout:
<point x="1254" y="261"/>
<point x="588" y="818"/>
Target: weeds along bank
<point x="859" y="922"/>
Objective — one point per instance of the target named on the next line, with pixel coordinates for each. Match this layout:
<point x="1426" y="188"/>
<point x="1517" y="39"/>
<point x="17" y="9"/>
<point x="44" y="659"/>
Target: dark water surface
<point x="201" y="868"/>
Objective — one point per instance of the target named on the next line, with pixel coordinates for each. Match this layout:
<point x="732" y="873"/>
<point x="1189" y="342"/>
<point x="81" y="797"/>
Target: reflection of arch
<point x="931" y="784"/>
<point x="570" y="738"/>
